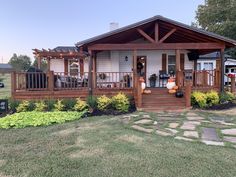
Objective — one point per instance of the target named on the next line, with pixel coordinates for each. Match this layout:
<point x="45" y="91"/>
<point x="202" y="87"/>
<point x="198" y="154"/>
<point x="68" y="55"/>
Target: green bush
<point x="199" y="99"/>
<point x="212" y="98"/>
<point x="31" y="106"/>
<point x="13" y="104"/>
<point x="92" y="102"/>
<point x="120" y="102"/>
<point x="226" y="97"/>
<point x="40" y="106"/>
<point x="59" y="106"/>
<point x="103" y="103"/>
<point x="80" y="105"/>
<point x="50" y="104"/>
<point x="69" y="104"/>
<point x="26" y="119"/>
<point x="23" y="106"/>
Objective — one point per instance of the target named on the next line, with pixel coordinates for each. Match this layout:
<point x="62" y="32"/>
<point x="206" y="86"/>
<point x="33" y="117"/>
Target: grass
<point x="104" y="146"/>
<point x="6" y="91"/>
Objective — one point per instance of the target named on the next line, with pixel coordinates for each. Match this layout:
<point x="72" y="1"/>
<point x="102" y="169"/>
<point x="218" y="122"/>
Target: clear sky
<point x="28" y="24"/>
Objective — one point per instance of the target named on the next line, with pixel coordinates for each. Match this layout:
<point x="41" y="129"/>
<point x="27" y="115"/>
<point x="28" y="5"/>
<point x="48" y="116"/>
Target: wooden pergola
<point x="59" y="53"/>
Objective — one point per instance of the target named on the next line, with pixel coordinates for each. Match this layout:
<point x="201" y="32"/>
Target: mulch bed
<point x="222" y="106"/>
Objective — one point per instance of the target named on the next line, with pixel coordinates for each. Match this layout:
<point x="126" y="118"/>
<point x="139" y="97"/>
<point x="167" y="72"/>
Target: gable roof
<point x="5" y="66"/>
<point x="214" y="55"/>
<point x="231" y="42"/>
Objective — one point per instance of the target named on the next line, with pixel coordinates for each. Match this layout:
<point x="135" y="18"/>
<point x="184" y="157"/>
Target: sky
<point x="28" y="24"/>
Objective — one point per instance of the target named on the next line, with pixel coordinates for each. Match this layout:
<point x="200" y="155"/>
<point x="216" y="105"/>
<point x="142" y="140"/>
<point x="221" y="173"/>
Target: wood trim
<point x="146" y="36"/>
<point x="66" y="65"/>
<point x="156" y="32"/>
<point x="164" y="62"/>
<point x="157" y="46"/>
<point x="182" y="61"/>
<point x="48" y="64"/>
<point x="81" y="66"/>
<point x="167" y="35"/>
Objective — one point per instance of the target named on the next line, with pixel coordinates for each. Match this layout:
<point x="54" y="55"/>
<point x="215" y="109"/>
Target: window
<point x="199" y="66"/>
<point x="171" y="64"/>
<point x="208" y="66"/>
<point x="73" y="67"/>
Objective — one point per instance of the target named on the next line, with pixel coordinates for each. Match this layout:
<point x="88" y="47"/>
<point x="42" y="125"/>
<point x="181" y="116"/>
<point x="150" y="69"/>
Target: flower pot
<point x="179" y="94"/>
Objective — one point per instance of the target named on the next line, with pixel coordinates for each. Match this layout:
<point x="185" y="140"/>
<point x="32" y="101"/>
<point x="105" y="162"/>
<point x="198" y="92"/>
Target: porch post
<point x="177" y="67"/>
<point x="134" y="70"/>
<point x="222" y="70"/>
<point x="39" y="62"/>
<point x="48" y="64"/>
<point x="94" y="71"/>
<point x="90" y="79"/>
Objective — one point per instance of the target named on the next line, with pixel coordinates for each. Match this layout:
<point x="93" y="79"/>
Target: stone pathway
<point x="192" y="127"/>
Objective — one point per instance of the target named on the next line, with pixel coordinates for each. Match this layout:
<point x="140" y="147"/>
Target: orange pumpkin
<point x="175" y="87"/>
<point x="172" y="91"/>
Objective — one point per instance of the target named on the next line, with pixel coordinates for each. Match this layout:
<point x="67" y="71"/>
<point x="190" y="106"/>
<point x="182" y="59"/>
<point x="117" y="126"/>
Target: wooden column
<point x="139" y="92"/>
<point x="90" y="74"/>
<point x="135" y="72"/>
<point x="13" y="84"/>
<point x="39" y="62"/>
<point x="188" y="91"/>
<point x="177" y="67"/>
<point x="222" y="69"/>
<point x="94" y="71"/>
<point x="51" y="81"/>
<point x="48" y="64"/>
<point x="233" y="84"/>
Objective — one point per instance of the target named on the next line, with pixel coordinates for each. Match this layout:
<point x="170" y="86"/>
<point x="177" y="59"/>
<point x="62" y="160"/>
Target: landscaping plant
<point x="40" y="106"/>
<point x="226" y="97"/>
<point x="80" y="105"/>
<point x="212" y="98"/>
<point x="69" y="104"/>
<point x="199" y="99"/>
<point x="103" y="103"/>
<point x="92" y="102"/>
<point x="120" y="102"/>
<point x="23" y="106"/>
<point x="59" y="106"/>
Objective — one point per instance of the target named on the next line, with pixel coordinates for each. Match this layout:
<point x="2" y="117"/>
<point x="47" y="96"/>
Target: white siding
<point x="104" y="62"/>
<point x="57" y="65"/>
<point x="125" y="66"/>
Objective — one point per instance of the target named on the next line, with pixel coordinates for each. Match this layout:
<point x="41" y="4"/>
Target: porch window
<point x="199" y="67"/>
<point x="74" y="67"/>
<point x="208" y="66"/>
<point x="171" y="64"/>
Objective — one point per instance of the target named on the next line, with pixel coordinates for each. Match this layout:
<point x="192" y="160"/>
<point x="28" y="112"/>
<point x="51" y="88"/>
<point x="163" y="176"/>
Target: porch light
<point x="126" y="58"/>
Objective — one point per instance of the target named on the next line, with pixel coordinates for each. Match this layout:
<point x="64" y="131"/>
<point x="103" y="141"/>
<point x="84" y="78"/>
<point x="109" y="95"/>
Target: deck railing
<point x="109" y="80"/>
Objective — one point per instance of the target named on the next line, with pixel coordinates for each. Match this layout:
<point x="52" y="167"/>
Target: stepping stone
<point x="183" y="138"/>
<point x="188" y="126"/>
<point x="146" y="130"/>
<point x="155" y="123"/>
<point x="173" y="131"/>
<point x="229" y="131"/>
<point x="173" y="125"/>
<point x="193" y="122"/>
<point x="146" y="116"/>
<point x="143" y="121"/>
<point x="191" y="134"/>
<point x="209" y="134"/>
<point x="126" y="117"/>
<point x="230" y="139"/>
<point x="195" y="118"/>
<point x="222" y="122"/>
<point x="214" y="143"/>
<point x="134" y="115"/>
<point x="191" y="114"/>
<point x="206" y="121"/>
<point x="162" y="133"/>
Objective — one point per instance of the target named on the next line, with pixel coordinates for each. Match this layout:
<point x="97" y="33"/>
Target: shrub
<point x="40" y="106"/>
<point x="80" y="105"/>
<point x="26" y="119"/>
<point x="212" y="98"/>
<point x="13" y="104"/>
<point x="92" y="102"/>
<point x="120" y="102"/>
<point x="59" y="106"/>
<point x="31" y="106"/>
<point x="23" y="106"/>
<point x="226" y="97"/>
<point x="69" y="104"/>
<point x="50" y="104"/>
<point x="103" y="103"/>
<point x="199" y="99"/>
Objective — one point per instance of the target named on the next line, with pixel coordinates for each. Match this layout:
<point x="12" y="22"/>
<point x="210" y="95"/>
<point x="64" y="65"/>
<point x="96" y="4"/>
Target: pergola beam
<point x="167" y="35"/>
<point x="146" y="36"/>
<point x="158" y="46"/>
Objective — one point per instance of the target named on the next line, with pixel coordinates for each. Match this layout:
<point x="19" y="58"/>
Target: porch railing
<point x="109" y="80"/>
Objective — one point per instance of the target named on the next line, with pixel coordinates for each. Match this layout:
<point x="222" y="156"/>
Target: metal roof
<point x="158" y="17"/>
<point x="5" y="66"/>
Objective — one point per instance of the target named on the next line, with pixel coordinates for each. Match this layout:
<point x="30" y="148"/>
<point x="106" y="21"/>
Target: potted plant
<point x="152" y="80"/>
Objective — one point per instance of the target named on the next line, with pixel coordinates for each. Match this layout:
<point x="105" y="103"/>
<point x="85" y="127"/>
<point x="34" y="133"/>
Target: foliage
<point x="120" y="102"/>
<point x="59" y="106"/>
<point x="80" y="105"/>
<point x="23" y="106"/>
<point x="212" y="98"/>
<point x="153" y="77"/>
<point x="92" y="102"/>
<point x="44" y="64"/>
<point x="50" y="104"/>
<point x="199" y="99"/>
<point x="69" y="104"/>
<point x="13" y="104"/>
<point x="20" y="63"/>
<point x="103" y="102"/>
<point x="226" y="97"/>
<point x="25" y="119"/>
<point x="218" y="17"/>
<point x="40" y="106"/>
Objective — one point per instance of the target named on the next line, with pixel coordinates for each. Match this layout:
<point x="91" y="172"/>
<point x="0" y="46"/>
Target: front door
<point x="142" y="66"/>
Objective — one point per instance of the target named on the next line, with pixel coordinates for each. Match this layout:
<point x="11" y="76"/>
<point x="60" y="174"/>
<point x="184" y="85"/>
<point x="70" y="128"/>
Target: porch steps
<point x="160" y="100"/>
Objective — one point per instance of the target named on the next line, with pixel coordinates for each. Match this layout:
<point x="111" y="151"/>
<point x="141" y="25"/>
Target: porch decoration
<point x="102" y="76"/>
<point x="152" y="80"/>
<point x="179" y="94"/>
<point x="171" y="86"/>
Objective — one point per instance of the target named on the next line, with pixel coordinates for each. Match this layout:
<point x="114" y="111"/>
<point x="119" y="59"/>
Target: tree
<point x="44" y="64"/>
<point x="20" y="63"/>
<point x="218" y="16"/>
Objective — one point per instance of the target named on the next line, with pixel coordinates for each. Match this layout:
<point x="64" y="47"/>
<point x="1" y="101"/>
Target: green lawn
<point x="6" y="91"/>
<point x="104" y="146"/>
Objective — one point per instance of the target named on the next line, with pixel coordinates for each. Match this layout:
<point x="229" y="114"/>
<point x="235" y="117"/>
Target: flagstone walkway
<point x="193" y="126"/>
